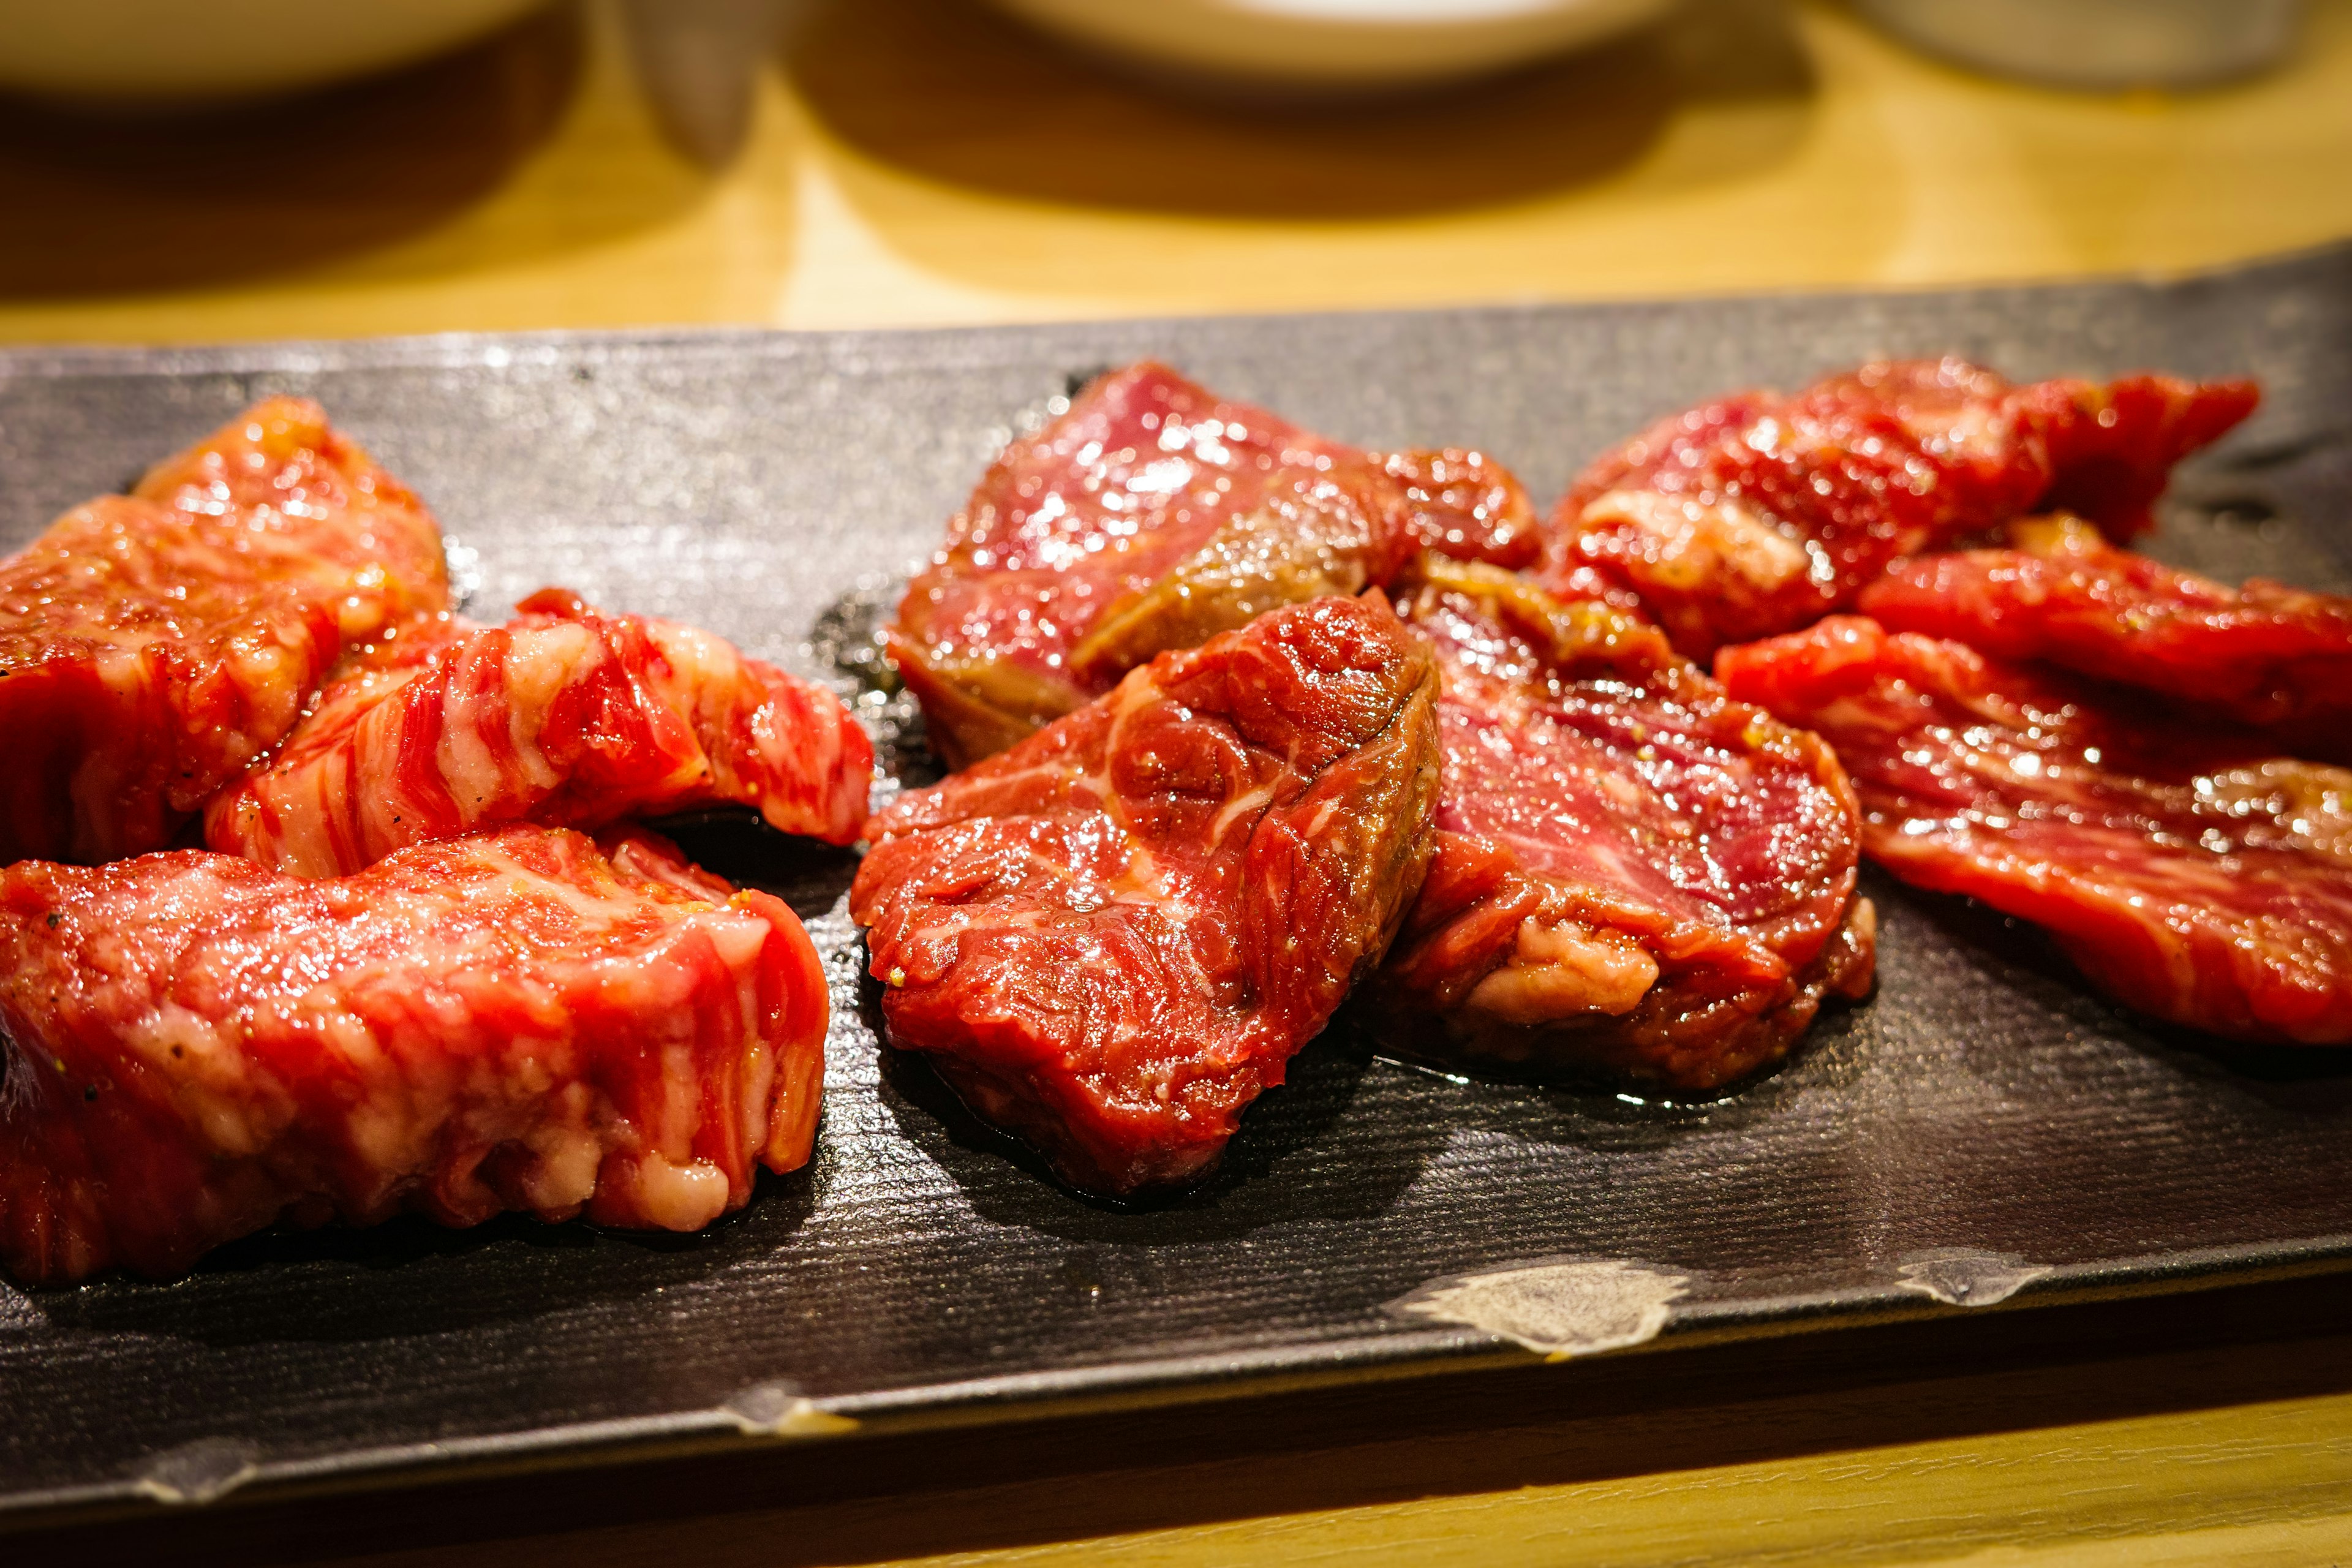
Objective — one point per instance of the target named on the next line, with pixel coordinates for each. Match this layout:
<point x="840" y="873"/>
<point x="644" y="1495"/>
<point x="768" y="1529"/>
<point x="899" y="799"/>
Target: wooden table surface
<point x="916" y="161"/>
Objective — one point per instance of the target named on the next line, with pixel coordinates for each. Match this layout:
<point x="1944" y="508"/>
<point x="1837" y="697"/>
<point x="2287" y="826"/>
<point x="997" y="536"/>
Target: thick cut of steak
<point x="152" y="646"/>
<point x="2265" y="654"/>
<point x="1113" y="935"/>
<point x="564" y="716"/>
<point x="1637" y="878"/>
<point x="2190" y="871"/>
<point x="1760" y="513"/>
<point x="197" y="1047"/>
<point x="1151" y="515"/>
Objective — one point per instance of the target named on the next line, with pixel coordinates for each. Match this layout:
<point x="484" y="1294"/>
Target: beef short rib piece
<point x="1637" y="878"/>
<point x="564" y="716"/>
<point x="1759" y="514"/>
<point x="197" y="1048"/>
<point x="2264" y="654"/>
<point x="152" y="646"/>
<point x="1111" y="937"/>
<point x="1153" y="515"/>
<point x="2190" y="871"/>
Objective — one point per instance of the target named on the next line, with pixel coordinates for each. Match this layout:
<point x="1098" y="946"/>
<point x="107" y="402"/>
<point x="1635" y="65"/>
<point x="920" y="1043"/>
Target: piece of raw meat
<point x="564" y="716"/>
<point x="1760" y="513"/>
<point x="2265" y="654"/>
<point x="1111" y="937"/>
<point x="1152" y="516"/>
<point x="2190" y="871"/>
<point x="196" y="1047"/>
<point x="152" y="646"/>
<point x="1637" y="878"/>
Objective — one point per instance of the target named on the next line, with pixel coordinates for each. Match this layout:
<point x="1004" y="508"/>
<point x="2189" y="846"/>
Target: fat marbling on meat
<point x="1637" y="878"/>
<point x="1151" y="515"/>
<point x="2190" y="871"/>
<point x="565" y="716"/>
<point x="1110" y="937"/>
<point x="2263" y="655"/>
<point x="152" y="646"/>
<point x="196" y="1047"/>
<point x="1759" y="513"/>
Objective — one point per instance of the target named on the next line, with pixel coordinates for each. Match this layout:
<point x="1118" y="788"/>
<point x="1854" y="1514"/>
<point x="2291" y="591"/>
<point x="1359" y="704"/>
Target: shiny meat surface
<point x="1637" y="878"/>
<point x="152" y="646"/>
<point x="1152" y="515"/>
<point x="1759" y="514"/>
<point x="2190" y="872"/>
<point x="1112" y="936"/>
<point x="2264" y="654"/>
<point x="564" y="716"/>
<point x="197" y="1048"/>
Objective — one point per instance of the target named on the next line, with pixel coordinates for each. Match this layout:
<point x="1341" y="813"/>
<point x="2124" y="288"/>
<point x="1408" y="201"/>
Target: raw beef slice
<point x="564" y="716"/>
<point x="152" y="646"/>
<point x="2264" y="654"/>
<point x="1152" y="515"/>
<point x="1112" y="936"/>
<point x="2191" y="872"/>
<point x="196" y="1048"/>
<point x="1759" y="514"/>
<point x="1637" y="878"/>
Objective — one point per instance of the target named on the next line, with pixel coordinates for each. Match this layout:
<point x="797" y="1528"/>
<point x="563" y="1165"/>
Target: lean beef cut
<point x="2191" y="872"/>
<point x="152" y="646"/>
<point x="1150" y="516"/>
<point x="1759" y="514"/>
<point x="1110" y="937"/>
<point x="196" y="1047"/>
<point x="564" y="716"/>
<point x="2265" y="654"/>
<point x="1637" y="878"/>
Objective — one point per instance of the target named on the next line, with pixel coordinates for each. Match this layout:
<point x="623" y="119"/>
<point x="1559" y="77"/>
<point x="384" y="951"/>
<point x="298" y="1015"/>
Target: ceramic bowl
<point x="177" y="50"/>
<point x="1334" y="45"/>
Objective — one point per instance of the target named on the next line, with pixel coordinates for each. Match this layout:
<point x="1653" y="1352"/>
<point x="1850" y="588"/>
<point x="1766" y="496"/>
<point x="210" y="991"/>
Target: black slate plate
<point x="1985" y="1129"/>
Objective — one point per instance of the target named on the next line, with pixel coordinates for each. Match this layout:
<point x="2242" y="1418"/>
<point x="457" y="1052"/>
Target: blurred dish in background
<point x="178" y="50"/>
<point x="2111" y="43"/>
<point x="1334" y="45"/>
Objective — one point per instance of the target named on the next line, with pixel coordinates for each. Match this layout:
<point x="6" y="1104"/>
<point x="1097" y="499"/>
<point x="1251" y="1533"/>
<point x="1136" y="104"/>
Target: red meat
<point x="1636" y="878"/>
<point x="1150" y="516"/>
<point x="152" y="646"/>
<point x="1760" y="513"/>
<point x="197" y="1048"/>
<point x="565" y="717"/>
<point x="2265" y="654"/>
<point x="1113" y="935"/>
<point x="2191" y="873"/>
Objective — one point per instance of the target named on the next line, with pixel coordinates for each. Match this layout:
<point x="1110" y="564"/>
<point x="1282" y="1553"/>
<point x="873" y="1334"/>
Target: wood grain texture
<point x="923" y="162"/>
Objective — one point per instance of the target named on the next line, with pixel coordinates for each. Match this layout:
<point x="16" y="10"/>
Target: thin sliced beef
<point x="2264" y="654"/>
<point x="1112" y="936"/>
<point x="2189" y="871"/>
<point x="1759" y="514"/>
<point x="197" y="1048"/>
<point x="1153" y="515"/>
<point x="564" y="716"/>
<point x="1637" y="878"/>
<point x="152" y="646"/>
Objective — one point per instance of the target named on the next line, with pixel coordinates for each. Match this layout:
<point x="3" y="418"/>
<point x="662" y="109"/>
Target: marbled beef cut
<point x="2190" y="870"/>
<point x="1637" y="878"/>
<point x="1110" y="937"/>
<point x="196" y="1047"/>
<point x="1759" y="513"/>
<point x="2264" y="654"/>
<point x="152" y="646"/>
<point x="564" y="716"/>
<point x="1152" y="515"/>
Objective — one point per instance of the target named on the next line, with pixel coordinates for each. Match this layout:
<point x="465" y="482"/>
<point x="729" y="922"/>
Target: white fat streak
<point x="1692" y="536"/>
